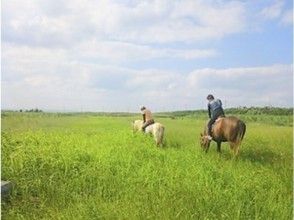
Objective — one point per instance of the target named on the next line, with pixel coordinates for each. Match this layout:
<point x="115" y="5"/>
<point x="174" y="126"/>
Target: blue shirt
<point x="213" y="106"/>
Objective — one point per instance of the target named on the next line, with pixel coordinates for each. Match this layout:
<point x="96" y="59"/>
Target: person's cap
<point x="142" y="108"/>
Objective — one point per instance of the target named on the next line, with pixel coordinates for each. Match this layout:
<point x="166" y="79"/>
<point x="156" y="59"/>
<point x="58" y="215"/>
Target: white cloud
<point x="52" y="82"/>
<point x="287" y="18"/>
<point x="274" y="10"/>
<point x="153" y="79"/>
<point x="71" y="55"/>
<point x="277" y="11"/>
<point x="114" y="51"/>
<point x="141" y="22"/>
<point x="247" y="86"/>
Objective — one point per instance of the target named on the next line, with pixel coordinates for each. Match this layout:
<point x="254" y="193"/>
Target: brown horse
<point x="229" y="129"/>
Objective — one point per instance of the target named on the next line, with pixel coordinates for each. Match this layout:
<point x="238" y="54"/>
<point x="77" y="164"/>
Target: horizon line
<point x="135" y="112"/>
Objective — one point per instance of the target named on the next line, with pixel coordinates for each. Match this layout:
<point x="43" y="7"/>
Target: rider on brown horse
<point x="215" y="110"/>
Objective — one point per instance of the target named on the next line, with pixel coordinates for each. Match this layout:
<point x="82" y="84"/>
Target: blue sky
<point x="167" y="55"/>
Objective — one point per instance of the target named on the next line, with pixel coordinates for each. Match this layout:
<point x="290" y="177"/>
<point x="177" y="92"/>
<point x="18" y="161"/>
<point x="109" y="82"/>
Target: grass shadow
<point x="172" y="144"/>
<point x="254" y="155"/>
<point x="260" y="156"/>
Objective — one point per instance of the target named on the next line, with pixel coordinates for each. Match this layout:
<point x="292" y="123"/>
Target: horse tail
<point x="159" y="133"/>
<point x="242" y="130"/>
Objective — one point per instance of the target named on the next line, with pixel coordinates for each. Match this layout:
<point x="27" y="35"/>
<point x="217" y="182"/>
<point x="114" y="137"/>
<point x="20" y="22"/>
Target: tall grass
<point x="88" y="167"/>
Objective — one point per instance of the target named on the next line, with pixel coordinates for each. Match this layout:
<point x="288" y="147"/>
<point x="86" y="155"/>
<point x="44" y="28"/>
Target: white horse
<point x="156" y="129"/>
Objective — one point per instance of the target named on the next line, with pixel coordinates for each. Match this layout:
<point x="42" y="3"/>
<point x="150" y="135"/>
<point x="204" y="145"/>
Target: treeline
<point x="260" y="111"/>
<point x="31" y="110"/>
<point x="24" y="110"/>
<point x="229" y="111"/>
<point x="235" y="111"/>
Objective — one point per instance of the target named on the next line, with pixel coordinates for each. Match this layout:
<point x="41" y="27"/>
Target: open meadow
<point x="90" y="166"/>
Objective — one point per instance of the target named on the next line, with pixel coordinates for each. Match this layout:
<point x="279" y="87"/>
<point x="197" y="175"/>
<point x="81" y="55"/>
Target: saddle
<point x="217" y="120"/>
<point x="151" y="122"/>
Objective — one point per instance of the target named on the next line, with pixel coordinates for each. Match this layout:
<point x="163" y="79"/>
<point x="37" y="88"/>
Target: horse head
<point x="137" y="125"/>
<point x="204" y="142"/>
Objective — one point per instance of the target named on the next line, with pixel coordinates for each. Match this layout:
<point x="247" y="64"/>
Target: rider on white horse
<point x="147" y="117"/>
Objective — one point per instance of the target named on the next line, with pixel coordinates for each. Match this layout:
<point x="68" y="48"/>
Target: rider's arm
<point x="220" y="101"/>
<point x="144" y="118"/>
<point x="209" y="111"/>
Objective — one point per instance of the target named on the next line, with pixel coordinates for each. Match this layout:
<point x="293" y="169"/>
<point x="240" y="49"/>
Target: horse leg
<point x="159" y="142"/>
<point x="219" y="146"/>
<point x="234" y="149"/>
<point x="207" y="148"/>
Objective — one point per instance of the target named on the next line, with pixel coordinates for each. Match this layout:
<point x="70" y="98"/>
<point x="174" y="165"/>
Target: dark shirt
<point x="214" y="106"/>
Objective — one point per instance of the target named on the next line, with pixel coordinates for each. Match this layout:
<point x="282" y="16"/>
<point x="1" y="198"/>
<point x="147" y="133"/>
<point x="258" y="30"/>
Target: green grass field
<point x="91" y="167"/>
